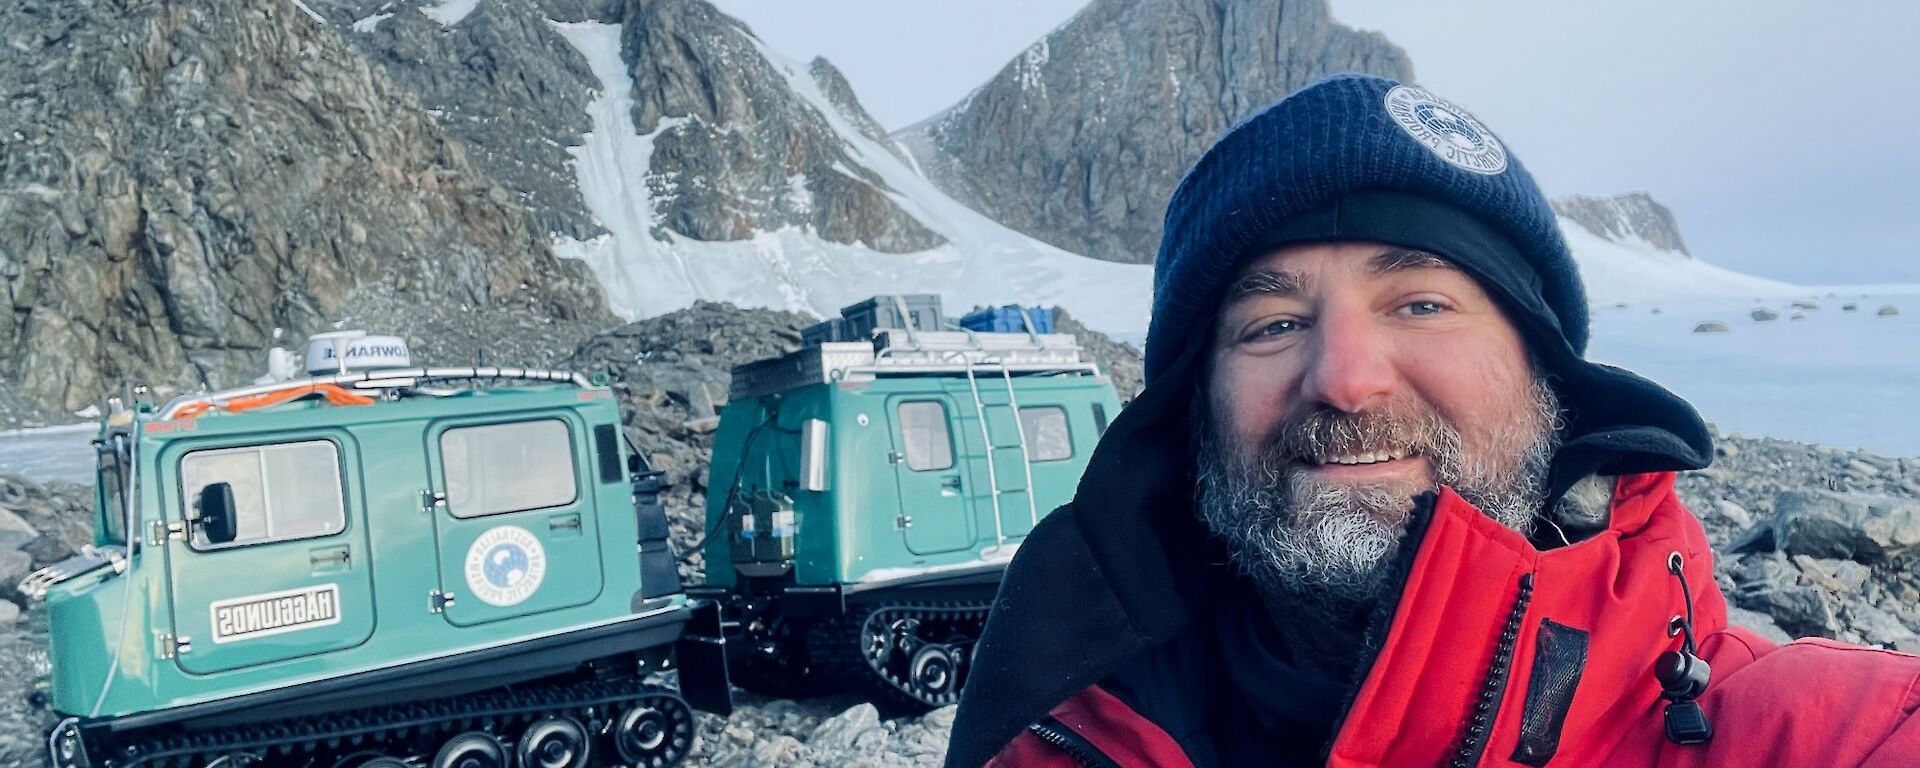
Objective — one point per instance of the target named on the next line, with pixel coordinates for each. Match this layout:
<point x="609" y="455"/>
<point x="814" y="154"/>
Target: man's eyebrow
<point x="1266" y="283"/>
<point x="1398" y="259"/>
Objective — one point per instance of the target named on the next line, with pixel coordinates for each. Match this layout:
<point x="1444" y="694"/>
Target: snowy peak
<point x="1634" y="216"/>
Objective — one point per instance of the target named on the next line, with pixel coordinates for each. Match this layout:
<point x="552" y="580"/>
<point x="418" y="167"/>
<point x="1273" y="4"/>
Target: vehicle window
<point x="280" y="492"/>
<point x="507" y="467"/>
<point x="111" y="480"/>
<point x="1099" y="419"/>
<point x="1045" y="428"/>
<point x="923" y="428"/>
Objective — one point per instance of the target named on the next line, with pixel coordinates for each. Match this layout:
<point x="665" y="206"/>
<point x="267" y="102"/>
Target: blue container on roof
<point x="1007" y="320"/>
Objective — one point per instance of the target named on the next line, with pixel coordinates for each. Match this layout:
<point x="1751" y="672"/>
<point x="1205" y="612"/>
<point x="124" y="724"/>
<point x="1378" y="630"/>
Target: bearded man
<point x="1375" y="508"/>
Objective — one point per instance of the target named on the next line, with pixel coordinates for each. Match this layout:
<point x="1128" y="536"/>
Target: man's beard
<point x="1326" y="543"/>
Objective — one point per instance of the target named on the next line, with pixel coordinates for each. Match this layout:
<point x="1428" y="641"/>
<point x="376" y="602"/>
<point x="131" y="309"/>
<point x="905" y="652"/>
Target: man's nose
<point x="1352" y="367"/>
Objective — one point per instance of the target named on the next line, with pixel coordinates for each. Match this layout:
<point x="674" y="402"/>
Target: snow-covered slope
<point x="1631" y="269"/>
<point x="648" y="270"/>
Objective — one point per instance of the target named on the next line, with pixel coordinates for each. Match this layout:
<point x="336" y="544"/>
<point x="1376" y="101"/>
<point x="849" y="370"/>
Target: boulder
<point x="1771" y="585"/>
<point x="1759" y="623"/>
<point x="1853" y="526"/>
<point x="1735" y="514"/>
<point x="1712" y="326"/>
<point x="14" y="566"/>
<point x="14" y="531"/>
<point x="1888" y="311"/>
<point x="1763" y="314"/>
<point x="1841" y="577"/>
<point x="842" y="732"/>
<point x="1879" y="627"/>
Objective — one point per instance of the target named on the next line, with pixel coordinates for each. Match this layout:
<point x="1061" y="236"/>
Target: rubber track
<point x="840" y="645"/>
<point x="279" y="740"/>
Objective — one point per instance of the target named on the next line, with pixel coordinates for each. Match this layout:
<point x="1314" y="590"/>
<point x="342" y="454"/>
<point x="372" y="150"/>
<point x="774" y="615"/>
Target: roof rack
<point x="390" y="378"/>
<point x="903" y="352"/>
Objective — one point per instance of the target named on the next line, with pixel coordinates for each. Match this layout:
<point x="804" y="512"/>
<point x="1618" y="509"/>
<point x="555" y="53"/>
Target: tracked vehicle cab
<point x="372" y="564"/>
<point x="866" y="495"/>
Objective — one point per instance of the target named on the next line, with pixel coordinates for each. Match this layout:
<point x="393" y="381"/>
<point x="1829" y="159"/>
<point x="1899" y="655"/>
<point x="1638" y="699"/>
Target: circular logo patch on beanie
<point x="1449" y="131"/>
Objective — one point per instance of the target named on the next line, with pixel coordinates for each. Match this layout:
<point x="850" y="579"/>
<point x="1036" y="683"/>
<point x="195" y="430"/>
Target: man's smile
<point x="1373" y="467"/>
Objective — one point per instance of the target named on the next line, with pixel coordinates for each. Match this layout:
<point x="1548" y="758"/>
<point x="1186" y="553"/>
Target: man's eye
<point x="1276" y="328"/>
<point x="1419" y="308"/>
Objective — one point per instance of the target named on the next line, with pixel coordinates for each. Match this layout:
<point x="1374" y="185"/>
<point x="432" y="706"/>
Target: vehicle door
<point x="514" y="521"/>
<point x="934" y="514"/>
<point x="294" y="580"/>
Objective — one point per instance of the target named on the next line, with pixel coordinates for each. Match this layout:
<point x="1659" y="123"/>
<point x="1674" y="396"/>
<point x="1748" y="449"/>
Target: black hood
<point x="1126" y="565"/>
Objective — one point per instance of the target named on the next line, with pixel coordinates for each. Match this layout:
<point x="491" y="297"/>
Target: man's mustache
<point x="1319" y="435"/>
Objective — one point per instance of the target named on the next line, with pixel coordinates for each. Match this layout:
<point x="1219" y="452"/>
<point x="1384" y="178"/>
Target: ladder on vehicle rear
<point x="993" y="449"/>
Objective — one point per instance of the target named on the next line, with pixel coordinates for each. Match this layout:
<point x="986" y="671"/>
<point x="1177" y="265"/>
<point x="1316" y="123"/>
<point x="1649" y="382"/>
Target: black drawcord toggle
<point x="1683" y="675"/>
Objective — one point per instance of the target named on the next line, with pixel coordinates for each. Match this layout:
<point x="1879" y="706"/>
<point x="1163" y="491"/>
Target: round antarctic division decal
<point x="1453" y="134"/>
<point x="505" y="565"/>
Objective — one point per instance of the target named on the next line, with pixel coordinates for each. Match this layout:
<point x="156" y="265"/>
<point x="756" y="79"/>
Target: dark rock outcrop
<point x="1080" y="140"/>
<point x="185" y="185"/>
<point x="743" y="151"/>
<point x="501" y="80"/>
<point x="1635" y="215"/>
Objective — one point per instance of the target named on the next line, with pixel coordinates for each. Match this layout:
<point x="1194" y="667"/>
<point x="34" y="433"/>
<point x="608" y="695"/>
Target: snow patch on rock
<point x="450" y="12"/>
<point x="649" y="271"/>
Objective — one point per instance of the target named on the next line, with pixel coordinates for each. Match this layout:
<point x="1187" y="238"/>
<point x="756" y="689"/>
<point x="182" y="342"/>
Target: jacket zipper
<point x="1076" y="746"/>
<point x="1473" y="741"/>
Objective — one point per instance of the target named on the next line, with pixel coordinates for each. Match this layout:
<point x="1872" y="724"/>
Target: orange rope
<point x="335" y="395"/>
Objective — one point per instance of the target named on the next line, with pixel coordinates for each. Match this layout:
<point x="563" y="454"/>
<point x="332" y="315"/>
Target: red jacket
<point x="1566" y="642"/>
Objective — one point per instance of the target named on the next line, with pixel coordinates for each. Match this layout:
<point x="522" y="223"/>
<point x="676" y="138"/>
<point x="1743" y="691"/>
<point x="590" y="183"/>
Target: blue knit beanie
<point x="1357" y="157"/>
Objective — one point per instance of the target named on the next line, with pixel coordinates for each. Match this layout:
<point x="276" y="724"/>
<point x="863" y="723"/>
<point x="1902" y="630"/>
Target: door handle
<point x="564" y="524"/>
<point x="328" y="559"/>
<point x="950" y="485"/>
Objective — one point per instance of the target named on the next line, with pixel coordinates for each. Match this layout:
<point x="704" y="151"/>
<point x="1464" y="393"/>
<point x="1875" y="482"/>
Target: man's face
<point x="1344" y="379"/>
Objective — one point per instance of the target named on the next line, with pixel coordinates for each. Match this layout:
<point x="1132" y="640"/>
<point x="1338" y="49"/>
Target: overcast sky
<point x="1782" y="134"/>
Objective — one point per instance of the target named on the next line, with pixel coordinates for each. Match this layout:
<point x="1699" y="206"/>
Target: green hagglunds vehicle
<point x="378" y="567"/>
<point x="865" y="495"/>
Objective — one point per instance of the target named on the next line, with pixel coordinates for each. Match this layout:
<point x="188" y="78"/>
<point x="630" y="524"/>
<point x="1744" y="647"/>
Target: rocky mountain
<point x="737" y="150"/>
<point x="742" y="151"/>
<point x="1080" y="140"/>
<point x="183" y="186"/>
<point x="1632" y="216"/>
<point x="498" y="78"/>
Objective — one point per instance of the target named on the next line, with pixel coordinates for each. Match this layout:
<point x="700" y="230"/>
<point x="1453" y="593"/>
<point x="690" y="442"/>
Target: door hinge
<point x="438" y="601"/>
<point x="171" y="646"/>
<point x="159" y="531"/>
<point x="431" y="501"/>
<point x="895" y="457"/>
<point x="902" y="522"/>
